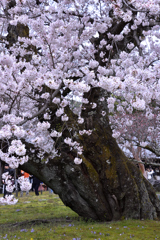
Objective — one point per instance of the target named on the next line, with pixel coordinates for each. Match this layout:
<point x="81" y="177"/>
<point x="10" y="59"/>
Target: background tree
<point x="138" y="135"/>
<point x="54" y="52"/>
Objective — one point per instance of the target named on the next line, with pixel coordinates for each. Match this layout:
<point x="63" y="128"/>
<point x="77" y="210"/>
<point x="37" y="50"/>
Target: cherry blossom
<point x="68" y="50"/>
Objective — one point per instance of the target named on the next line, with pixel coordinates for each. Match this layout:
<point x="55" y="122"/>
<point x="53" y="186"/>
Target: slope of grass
<point x="45" y="217"/>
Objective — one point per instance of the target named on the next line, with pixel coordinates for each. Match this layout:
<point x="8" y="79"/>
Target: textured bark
<point x="97" y="189"/>
<point x="106" y="186"/>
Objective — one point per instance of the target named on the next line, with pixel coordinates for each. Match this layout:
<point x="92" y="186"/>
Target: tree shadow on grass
<point x="30" y="223"/>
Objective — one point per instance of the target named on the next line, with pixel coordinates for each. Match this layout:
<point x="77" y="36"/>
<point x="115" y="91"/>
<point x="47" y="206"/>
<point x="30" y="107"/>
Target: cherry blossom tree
<point x="53" y="53"/>
<point x="138" y="135"/>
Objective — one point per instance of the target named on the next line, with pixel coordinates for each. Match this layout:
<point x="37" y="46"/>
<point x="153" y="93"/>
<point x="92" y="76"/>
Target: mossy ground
<point x="45" y="217"/>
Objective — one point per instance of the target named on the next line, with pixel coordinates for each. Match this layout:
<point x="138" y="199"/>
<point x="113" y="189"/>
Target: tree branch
<point x="133" y="9"/>
<point x="153" y="164"/>
<point x="44" y="107"/>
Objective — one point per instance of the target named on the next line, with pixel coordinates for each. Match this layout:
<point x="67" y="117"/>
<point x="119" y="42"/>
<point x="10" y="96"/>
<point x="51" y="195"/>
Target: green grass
<point x="32" y="207"/>
<point x="45" y="217"/>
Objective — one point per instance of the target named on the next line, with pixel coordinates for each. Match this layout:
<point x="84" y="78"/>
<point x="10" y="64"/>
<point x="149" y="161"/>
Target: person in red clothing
<point x="25" y="174"/>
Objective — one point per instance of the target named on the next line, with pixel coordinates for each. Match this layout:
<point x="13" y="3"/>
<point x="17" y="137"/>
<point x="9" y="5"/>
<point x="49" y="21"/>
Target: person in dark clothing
<point x="36" y="184"/>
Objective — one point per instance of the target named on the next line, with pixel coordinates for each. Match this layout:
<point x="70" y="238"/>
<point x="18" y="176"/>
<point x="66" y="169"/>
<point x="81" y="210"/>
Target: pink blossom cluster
<point x="88" y="132"/>
<point x="74" y="145"/>
<point x="8" y="199"/>
<point x="25" y="185"/>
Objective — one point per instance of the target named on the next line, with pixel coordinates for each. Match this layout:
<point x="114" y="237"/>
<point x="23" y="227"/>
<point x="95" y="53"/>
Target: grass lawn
<point x="45" y="217"/>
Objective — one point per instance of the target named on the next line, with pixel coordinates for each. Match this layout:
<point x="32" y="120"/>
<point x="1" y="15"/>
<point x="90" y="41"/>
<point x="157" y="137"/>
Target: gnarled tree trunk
<point x="106" y="186"/>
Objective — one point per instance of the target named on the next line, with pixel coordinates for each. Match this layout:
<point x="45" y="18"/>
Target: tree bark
<point x="98" y="188"/>
<point x="106" y="186"/>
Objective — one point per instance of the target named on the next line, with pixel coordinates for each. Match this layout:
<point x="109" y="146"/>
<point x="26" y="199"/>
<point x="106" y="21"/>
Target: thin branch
<point x="50" y="53"/>
<point x="133" y="9"/>
<point x="116" y="47"/>
<point x="156" y="152"/>
<point x="100" y="7"/>
<point x="109" y="57"/>
<point x="44" y="107"/>
<point x="152" y="62"/>
<point x="138" y="42"/>
<point x="33" y="98"/>
<point x="153" y="164"/>
<point x="12" y="104"/>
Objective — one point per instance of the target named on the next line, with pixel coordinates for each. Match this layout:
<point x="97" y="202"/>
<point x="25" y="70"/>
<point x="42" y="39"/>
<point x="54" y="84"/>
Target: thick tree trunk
<point x="106" y="186"/>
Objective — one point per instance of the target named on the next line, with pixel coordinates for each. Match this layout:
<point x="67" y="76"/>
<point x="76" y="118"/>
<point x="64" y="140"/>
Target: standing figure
<point x="36" y="184"/>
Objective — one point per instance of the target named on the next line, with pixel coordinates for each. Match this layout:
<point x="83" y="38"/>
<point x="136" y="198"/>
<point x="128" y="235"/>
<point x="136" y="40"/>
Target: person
<point x="25" y="174"/>
<point x="36" y="184"/>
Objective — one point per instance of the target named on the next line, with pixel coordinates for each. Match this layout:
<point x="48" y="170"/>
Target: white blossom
<point x="25" y="185"/>
<point x="80" y="120"/>
<point x="130" y="46"/>
<point x="139" y="104"/>
<point x="94" y="105"/>
<point x="43" y="126"/>
<point x="115" y="134"/>
<point x="103" y="113"/>
<point x="8" y="200"/>
<point x="56" y="100"/>
<point x="93" y="64"/>
<point x="21" y="151"/>
<point x="64" y="118"/>
<point x="52" y="84"/>
<point x="77" y="161"/>
<point x="143" y="144"/>
<point x="47" y="116"/>
<point x="54" y="133"/>
<point x="45" y="95"/>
